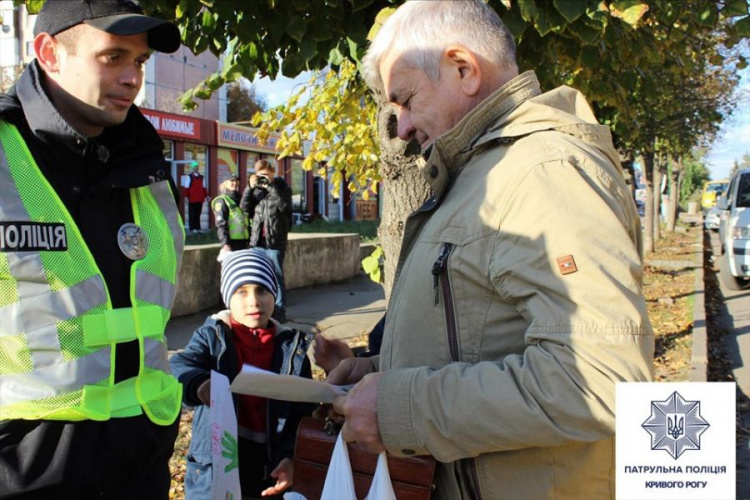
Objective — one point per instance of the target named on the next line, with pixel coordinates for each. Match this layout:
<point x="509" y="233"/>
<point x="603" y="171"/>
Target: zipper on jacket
<point x="466" y="469"/>
<point x="442" y="286"/>
<point x="440" y="268"/>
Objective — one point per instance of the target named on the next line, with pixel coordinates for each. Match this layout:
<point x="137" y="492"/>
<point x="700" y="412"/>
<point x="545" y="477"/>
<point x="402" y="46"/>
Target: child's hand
<point x="204" y="392"/>
<point x="328" y="353"/>
<point x="283" y="475"/>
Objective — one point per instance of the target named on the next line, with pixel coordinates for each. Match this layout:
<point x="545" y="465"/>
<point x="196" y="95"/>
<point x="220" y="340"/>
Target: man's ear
<point x="47" y="52"/>
<point x="467" y="68"/>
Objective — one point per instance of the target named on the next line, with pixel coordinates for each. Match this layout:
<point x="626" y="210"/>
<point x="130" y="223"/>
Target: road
<point x="734" y="316"/>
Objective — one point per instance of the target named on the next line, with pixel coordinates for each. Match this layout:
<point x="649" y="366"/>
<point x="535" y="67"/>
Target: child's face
<point x="252" y="305"/>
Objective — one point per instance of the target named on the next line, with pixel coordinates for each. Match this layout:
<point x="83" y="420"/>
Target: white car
<point x="734" y="264"/>
<point x="712" y="219"/>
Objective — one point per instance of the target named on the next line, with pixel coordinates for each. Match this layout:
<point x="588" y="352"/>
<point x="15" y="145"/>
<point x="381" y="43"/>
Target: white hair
<point x="421" y="29"/>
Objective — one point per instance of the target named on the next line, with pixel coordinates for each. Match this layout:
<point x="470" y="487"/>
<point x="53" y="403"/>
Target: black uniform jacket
<point x="92" y="177"/>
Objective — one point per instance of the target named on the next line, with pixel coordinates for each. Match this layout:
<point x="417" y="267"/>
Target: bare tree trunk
<point x="657" y="160"/>
<point x="648" y="218"/>
<point x="404" y="190"/>
<point x="674" y="192"/>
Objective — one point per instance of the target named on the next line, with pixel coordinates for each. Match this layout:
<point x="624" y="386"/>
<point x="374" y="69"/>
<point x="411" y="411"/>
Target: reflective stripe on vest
<point x="238" y="223"/>
<point x="57" y="324"/>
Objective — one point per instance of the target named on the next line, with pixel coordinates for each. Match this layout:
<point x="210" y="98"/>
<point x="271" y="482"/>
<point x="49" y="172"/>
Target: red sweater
<point x="196" y="193"/>
<point x="254" y="347"/>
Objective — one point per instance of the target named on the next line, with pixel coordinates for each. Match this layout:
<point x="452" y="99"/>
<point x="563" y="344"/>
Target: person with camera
<point x="232" y="225"/>
<point x="268" y="202"/>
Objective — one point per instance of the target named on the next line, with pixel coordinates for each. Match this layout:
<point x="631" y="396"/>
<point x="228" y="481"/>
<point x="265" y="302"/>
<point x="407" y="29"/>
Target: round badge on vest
<point x="132" y="241"/>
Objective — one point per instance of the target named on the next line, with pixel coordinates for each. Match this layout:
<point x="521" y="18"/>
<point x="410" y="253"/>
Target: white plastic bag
<point x="339" y="483"/>
<point x="226" y="474"/>
<point x="381" y="487"/>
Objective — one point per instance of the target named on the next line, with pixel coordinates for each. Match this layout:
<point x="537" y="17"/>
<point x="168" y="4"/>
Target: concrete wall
<point x="311" y="259"/>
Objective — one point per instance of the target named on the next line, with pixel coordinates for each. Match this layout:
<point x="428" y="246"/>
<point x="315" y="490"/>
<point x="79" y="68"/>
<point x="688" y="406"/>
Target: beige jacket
<point x="517" y="304"/>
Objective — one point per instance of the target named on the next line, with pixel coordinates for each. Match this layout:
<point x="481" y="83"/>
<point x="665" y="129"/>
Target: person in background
<point x="196" y="194"/>
<point x="518" y="302"/>
<point x="245" y="333"/>
<point x="90" y="249"/>
<point x="268" y="202"/>
<point x="232" y="225"/>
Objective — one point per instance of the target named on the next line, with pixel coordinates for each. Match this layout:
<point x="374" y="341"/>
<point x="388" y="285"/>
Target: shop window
<point x="299" y="184"/>
<point x="200" y="154"/>
<point x="168" y="150"/>
<point x="227" y="164"/>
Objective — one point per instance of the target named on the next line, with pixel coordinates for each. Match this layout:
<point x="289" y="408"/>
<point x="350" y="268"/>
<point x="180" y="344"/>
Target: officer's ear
<point x="47" y="51"/>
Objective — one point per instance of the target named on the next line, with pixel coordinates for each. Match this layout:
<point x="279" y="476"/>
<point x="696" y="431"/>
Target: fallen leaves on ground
<point x="669" y="288"/>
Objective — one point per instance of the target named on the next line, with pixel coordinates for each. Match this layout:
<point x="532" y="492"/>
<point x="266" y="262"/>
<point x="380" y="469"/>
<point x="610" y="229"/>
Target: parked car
<point x="712" y="219"/>
<point x="734" y="232"/>
<point x="711" y="191"/>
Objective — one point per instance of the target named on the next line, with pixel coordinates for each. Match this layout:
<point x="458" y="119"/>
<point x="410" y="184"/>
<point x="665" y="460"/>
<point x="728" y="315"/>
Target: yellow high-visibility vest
<point x="58" y="329"/>
<point x="238" y="222"/>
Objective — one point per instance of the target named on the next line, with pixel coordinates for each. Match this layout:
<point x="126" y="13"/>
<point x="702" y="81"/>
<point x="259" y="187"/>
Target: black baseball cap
<point x="118" y="17"/>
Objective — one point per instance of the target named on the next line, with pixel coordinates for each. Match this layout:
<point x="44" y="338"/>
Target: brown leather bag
<point x="411" y="477"/>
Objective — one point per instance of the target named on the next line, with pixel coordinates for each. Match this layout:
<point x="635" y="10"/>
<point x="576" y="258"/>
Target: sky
<point x="278" y="91"/>
<point x="734" y="140"/>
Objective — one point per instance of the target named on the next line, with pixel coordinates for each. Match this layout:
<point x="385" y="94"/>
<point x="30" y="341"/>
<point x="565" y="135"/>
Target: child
<point x="244" y="334"/>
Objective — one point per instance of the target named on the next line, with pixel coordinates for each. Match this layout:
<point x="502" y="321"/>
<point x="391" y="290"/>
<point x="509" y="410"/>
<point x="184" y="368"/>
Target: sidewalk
<point x="340" y="310"/>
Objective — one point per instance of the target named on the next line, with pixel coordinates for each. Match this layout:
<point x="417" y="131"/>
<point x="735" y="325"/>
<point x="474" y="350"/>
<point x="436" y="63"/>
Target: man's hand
<point x="350" y="371"/>
<point x="359" y="408"/>
<point x="283" y="474"/>
<point x="328" y="353"/>
<point x="204" y="392"/>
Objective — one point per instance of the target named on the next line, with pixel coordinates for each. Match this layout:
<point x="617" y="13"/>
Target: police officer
<point x="232" y="226"/>
<point x="90" y="248"/>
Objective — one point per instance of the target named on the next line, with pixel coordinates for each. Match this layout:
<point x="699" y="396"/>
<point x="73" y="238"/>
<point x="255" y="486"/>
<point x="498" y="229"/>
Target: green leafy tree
<point x="696" y="174"/>
<point x="243" y="101"/>
<point x="612" y="50"/>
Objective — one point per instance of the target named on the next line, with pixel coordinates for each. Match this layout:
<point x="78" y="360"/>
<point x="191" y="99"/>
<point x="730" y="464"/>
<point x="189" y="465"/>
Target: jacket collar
<point x="42" y="116"/>
<point x="516" y="109"/>
<point x="451" y="150"/>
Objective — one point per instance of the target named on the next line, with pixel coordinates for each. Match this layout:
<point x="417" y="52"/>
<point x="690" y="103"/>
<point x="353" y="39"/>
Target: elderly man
<point x="518" y="302"/>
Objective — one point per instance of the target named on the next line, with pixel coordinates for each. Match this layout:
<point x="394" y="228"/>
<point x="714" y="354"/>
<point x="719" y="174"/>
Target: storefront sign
<point x="173" y="125"/>
<point x="235" y="136"/>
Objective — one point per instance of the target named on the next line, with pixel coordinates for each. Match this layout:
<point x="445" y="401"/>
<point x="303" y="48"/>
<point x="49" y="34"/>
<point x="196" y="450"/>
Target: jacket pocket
<point x="198" y="476"/>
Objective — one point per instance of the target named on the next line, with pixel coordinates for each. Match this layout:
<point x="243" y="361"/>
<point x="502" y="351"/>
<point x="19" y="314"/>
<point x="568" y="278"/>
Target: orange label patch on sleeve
<point x="567" y="264"/>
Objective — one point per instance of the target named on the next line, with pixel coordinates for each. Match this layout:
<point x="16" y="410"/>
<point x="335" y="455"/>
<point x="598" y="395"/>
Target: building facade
<point x="200" y="135"/>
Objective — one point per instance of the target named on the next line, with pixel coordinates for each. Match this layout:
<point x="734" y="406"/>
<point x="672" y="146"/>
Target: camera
<point x="263" y="181"/>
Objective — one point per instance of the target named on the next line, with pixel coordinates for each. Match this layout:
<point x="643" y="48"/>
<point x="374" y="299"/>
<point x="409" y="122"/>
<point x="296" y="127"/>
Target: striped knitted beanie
<point x="245" y="267"/>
